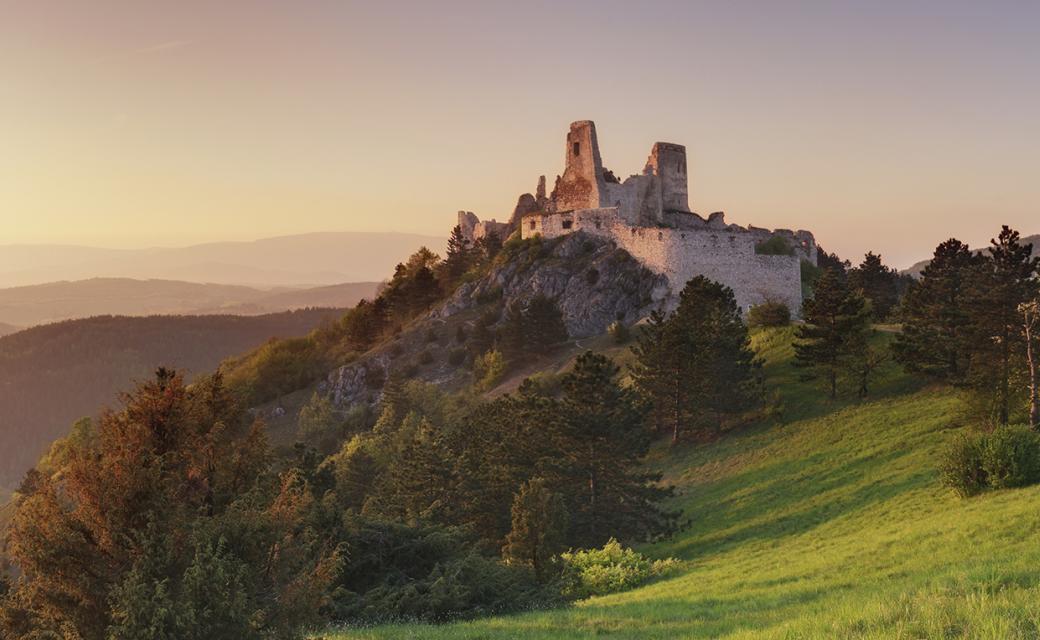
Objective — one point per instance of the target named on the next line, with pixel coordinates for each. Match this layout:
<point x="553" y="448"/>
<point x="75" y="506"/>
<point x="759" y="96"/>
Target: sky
<point x="881" y="125"/>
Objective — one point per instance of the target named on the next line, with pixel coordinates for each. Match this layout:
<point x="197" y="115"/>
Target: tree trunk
<point x="1034" y="393"/>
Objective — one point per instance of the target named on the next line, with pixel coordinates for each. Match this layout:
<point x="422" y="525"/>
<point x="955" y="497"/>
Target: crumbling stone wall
<point x="725" y="254"/>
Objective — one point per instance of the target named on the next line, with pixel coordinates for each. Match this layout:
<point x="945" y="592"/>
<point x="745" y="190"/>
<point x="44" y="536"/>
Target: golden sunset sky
<point x="877" y="125"/>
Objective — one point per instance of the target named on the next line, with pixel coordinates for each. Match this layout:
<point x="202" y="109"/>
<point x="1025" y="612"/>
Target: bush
<point x="1006" y="458"/>
<point x="488" y="369"/>
<point x="456" y="357"/>
<point x="961" y="466"/>
<point x="775" y="246"/>
<point x="1011" y="457"/>
<point x="769" y="314"/>
<point x="425" y="357"/>
<point x="611" y="569"/>
<point x="619" y="331"/>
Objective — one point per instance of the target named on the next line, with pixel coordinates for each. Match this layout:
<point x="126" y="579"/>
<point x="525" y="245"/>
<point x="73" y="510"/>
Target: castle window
<point x="577" y="148"/>
<point x="567" y="224"/>
<point x="532" y="223"/>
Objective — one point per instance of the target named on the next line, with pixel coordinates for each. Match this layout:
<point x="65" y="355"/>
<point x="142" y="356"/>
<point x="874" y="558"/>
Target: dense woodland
<point x="171" y="517"/>
<point x="54" y="374"/>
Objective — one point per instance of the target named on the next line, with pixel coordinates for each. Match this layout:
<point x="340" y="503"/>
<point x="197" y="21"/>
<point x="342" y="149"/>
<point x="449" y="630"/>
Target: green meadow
<point x="824" y="521"/>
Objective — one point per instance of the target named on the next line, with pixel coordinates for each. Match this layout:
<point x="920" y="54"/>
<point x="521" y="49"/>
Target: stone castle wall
<point x="725" y="254"/>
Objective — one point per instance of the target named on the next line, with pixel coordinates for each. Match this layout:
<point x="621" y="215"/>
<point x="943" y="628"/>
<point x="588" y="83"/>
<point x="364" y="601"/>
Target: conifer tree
<point x="1007" y="280"/>
<point x="544" y="324"/>
<point x="459" y="257"/>
<point x="832" y="339"/>
<point x="539" y="527"/>
<point x="877" y="283"/>
<point x="535" y="327"/>
<point x="656" y="370"/>
<point x="936" y="314"/>
<point x="697" y="365"/>
<point x="601" y="439"/>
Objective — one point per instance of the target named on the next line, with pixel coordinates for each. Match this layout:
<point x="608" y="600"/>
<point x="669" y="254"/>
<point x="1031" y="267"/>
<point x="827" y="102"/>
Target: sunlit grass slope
<point x="830" y="525"/>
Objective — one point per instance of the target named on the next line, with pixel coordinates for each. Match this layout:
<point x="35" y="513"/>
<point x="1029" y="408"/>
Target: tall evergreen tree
<point x="936" y="314"/>
<point x="1007" y="280"/>
<point x="832" y="339"/>
<point x="539" y="527"/>
<point x="536" y="326"/>
<point x="656" y="370"/>
<point x="697" y="365"/>
<point x="601" y="439"/>
<point x="460" y="255"/>
<point x="877" y="283"/>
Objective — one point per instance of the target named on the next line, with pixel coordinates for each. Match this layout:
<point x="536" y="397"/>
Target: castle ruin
<point x="649" y="216"/>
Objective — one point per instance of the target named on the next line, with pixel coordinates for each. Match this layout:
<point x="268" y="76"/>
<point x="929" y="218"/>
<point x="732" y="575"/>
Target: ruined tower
<point x="667" y="161"/>
<point x="582" y="185"/>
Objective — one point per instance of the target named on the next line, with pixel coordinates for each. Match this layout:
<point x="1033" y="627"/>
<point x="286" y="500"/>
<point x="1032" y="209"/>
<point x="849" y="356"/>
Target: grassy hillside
<point x="829" y="525"/>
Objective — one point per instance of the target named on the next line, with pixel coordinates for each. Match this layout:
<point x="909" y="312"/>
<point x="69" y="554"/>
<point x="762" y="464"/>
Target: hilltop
<point x="829" y="525"/>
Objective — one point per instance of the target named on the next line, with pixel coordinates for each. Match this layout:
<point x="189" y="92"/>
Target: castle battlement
<point x="649" y="216"/>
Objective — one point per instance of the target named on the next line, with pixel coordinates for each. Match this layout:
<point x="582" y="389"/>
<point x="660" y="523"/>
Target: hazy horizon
<point x="885" y="127"/>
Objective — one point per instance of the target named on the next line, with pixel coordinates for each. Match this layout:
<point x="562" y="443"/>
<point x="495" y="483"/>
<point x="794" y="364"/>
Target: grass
<point x="830" y="525"/>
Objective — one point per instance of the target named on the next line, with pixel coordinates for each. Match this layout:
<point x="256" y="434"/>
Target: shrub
<point x="775" y="246"/>
<point x="431" y="335"/>
<point x="425" y="357"/>
<point x="619" y="331"/>
<point x="488" y="369"/>
<point x="456" y="357"/>
<point x="1006" y="458"/>
<point x="460" y="334"/>
<point x="961" y="468"/>
<point x="769" y="314"/>
<point x="1011" y="457"/>
<point x="592" y="276"/>
<point x="611" y="569"/>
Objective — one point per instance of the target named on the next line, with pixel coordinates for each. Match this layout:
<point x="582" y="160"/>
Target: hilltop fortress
<point x="649" y="216"/>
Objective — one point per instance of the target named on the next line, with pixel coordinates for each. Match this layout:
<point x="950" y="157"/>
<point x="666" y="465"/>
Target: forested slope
<point x="830" y="525"/>
<point x="54" y="374"/>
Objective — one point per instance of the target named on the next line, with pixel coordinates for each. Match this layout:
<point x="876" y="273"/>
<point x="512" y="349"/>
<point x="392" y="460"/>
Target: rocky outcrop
<point x="593" y="282"/>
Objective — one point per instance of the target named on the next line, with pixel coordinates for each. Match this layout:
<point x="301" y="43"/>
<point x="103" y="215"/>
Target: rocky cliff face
<point x="593" y="282"/>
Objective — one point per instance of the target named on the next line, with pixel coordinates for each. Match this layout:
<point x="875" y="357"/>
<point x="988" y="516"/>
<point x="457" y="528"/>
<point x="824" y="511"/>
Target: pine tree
<point x="601" y="440"/>
<point x="833" y="336"/>
<point x="654" y="367"/>
<point x="543" y="323"/>
<point x="1007" y="280"/>
<point x="539" y="527"/>
<point x="535" y="327"/>
<point x="877" y="283"/>
<point x="460" y="255"/>
<point x="936" y="335"/>
<point x="490" y="245"/>
<point x="697" y="365"/>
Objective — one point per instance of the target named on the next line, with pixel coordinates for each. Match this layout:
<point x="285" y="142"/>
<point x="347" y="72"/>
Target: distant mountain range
<point x="7" y="328"/>
<point x="916" y="268"/>
<point x="54" y="374"/>
<point x="37" y="304"/>
<point x="297" y="260"/>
